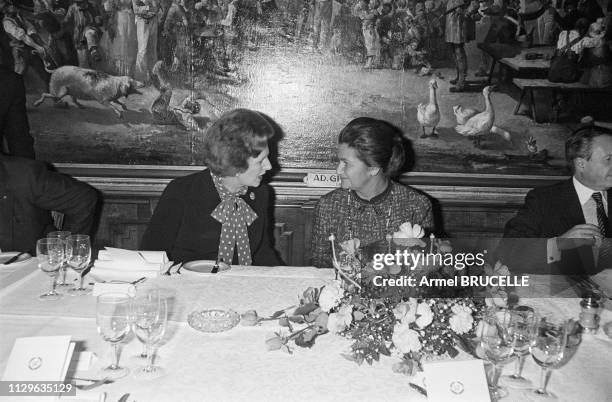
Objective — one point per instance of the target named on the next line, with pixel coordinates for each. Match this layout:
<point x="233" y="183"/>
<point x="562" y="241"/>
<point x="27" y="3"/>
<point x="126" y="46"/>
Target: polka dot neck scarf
<point x="235" y="215"/>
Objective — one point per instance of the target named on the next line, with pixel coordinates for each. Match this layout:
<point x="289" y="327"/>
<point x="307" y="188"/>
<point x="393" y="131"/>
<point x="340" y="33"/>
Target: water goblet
<point x="50" y="255"/>
<point x="62" y="235"/>
<point x="150" y="316"/>
<point x="78" y="256"/>
<point x="547" y="350"/>
<point x="113" y="323"/>
<point x="497" y="342"/>
<point x="525" y="331"/>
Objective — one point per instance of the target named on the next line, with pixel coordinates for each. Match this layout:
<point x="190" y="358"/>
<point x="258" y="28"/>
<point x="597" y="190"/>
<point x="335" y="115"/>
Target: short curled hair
<point x="580" y="143"/>
<point x="231" y="140"/>
<point x="377" y="142"/>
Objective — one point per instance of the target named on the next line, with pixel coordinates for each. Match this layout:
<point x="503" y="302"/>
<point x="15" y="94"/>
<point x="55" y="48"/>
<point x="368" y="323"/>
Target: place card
<point x="40" y="358"/>
<point x="322" y="179"/>
<point x="456" y="381"/>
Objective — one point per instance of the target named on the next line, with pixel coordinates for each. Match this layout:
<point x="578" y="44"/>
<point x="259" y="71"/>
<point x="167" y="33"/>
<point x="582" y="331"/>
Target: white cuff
<point x="553" y="254"/>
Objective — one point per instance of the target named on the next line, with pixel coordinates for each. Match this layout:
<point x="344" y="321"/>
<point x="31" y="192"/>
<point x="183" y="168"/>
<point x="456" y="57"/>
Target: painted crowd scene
<point x="137" y="82"/>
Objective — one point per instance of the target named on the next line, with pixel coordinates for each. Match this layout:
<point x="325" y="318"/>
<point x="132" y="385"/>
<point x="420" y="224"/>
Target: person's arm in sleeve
<point x="522" y="248"/>
<point x="266" y="255"/>
<point x="424" y="214"/>
<point x="57" y="192"/>
<point x="166" y="221"/>
<point x="319" y="241"/>
<point x="15" y="126"/>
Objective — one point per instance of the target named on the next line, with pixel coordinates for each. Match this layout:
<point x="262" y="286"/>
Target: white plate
<point x="4" y="257"/>
<point x="203" y="266"/>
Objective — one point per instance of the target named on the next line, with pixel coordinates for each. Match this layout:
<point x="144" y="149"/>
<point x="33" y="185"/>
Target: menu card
<point x="40" y="358"/>
<point x="450" y="381"/>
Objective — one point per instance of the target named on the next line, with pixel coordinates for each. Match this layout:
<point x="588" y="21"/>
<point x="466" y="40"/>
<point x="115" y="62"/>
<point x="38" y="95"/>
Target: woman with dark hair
<point x="221" y="213"/>
<point x="369" y="205"/>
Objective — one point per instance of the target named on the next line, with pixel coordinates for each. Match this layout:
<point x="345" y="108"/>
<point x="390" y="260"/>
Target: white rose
<point x="498" y="270"/>
<point x="350" y="246"/>
<point x="338" y="322"/>
<point x="425" y="315"/>
<point x="406" y="311"/>
<point x="409" y="235"/>
<point x="330" y="295"/>
<point x="461" y="321"/>
<point x="405" y="339"/>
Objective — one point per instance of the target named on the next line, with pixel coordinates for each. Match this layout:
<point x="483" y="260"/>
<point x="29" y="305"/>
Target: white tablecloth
<point x="235" y="365"/>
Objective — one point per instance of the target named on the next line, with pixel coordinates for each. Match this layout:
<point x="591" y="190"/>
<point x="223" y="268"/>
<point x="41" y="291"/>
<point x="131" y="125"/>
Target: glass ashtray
<point x="213" y="320"/>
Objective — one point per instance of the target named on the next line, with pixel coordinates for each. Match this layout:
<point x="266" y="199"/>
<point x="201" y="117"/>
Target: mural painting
<point x="137" y="82"/>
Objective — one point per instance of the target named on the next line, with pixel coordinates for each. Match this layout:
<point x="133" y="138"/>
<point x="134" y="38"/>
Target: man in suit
<point x="29" y="191"/>
<point x="15" y="138"/>
<point x="567" y="223"/>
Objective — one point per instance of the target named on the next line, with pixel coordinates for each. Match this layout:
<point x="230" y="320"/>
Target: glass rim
<point x="56" y="234"/>
<point x="108" y="296"/>
<point x="49" y="240"/>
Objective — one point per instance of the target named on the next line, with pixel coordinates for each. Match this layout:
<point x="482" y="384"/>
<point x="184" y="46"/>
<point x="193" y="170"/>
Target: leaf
<point x="384" y="350"/>
<point x="305" y="309"/>
<point x="298" y="319"/>
<point x="283" y="322"/>
<point x="306" y="339"/>
<point x="465" y="345"/>
<point x="277" y="314"/>
<point x="358" y="316"/>
<point x="349" y="356"/>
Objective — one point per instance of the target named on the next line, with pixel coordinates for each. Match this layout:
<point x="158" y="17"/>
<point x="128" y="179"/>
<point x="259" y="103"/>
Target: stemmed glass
<point x="525" y="331"/>
<point x="78" y="256"/>
<point x="547" y="350"/>
<point x="62" y="235"/>
<point x="498" y="341"/>
<point x="50" y="255"/>
<point x="113" y="322"/>
<point x="150" y="314"/>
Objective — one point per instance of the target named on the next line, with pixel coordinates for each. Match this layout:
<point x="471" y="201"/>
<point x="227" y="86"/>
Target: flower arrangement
<point x="413" y="327"/>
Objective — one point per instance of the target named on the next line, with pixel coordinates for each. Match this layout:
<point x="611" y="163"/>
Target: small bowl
<point x="213" y="320"/>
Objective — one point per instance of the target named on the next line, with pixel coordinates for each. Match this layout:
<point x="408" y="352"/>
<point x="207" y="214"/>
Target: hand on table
<point x="580" y="235"/>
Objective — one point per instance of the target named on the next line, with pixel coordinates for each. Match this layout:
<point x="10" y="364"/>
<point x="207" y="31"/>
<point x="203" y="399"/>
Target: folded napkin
<point x="129" y="265"/>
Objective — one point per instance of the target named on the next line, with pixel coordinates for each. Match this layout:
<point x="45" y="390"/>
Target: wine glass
<point x="113" y="322"/>
<point x="525" y="331"/>
<point x="547" y="350"/>
<point x="78" y="256"/>
<point x="62" y="235"/>
<point x="497" y="342"/>
<point x="50" y="255"/>
<point x="150" y="314"/>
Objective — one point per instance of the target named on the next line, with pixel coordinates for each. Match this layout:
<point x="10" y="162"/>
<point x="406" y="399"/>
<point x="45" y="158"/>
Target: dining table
<point x="236" y="365"/>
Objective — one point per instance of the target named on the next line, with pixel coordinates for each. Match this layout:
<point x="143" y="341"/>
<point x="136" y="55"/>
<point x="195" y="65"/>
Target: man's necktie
<point x="602" y="218"/>
<point x="605" y="251"/>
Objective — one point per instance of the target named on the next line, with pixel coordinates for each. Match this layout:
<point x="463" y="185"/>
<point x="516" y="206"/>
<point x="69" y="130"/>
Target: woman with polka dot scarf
<point x="221" y="213"/>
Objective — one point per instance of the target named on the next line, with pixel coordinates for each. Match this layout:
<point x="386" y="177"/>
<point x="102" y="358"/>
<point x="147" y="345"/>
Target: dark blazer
<point x="182" y="226"/>
<point x="548" y="212"/>
<point x="28" y="192"/>
<point x="14" y="127"/>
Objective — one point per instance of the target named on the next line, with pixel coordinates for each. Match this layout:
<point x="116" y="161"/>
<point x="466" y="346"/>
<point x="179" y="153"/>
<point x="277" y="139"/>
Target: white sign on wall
<point x="322" y="180"/>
